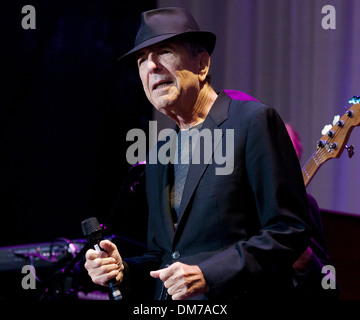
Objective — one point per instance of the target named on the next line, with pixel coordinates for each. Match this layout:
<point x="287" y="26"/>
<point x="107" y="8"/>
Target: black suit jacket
<point x="244" y="229"/>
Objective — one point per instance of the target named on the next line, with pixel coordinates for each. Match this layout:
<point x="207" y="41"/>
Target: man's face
<point x="169" y="76"/>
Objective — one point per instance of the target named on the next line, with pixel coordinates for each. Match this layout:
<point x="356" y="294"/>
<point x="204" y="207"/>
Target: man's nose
<point x="153" y="64"/>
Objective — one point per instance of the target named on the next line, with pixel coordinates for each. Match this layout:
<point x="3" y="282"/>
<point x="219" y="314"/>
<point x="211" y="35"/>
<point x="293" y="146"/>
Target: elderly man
<point x="210" y="235"/>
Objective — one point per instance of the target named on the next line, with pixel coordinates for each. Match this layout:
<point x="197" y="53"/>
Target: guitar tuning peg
<point x="350" y="150"/>
<point x="326" y="129"/>
<point x="336" y="120"/>
<point x="354" y="100"/>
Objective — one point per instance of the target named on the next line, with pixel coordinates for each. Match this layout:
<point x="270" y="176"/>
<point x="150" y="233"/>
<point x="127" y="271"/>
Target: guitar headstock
<point x="332" y="144"/>
<point x="334" y="140"/>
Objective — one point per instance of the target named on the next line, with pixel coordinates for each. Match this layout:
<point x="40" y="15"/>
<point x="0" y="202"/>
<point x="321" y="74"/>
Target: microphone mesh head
<point x="90" y="225"/>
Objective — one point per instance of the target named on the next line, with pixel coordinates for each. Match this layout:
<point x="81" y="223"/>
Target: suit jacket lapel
<point x="218" y="114"/>
<point x="164" y="182"/>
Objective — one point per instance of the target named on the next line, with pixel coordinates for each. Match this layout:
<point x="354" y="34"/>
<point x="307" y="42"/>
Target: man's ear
<point x="203" y="65"/>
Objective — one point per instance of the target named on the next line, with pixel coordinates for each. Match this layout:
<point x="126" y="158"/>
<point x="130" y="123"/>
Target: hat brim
<point x="205" y="38"/>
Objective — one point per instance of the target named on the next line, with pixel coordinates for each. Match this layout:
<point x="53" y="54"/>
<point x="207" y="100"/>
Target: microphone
<point x="93" y="233"/>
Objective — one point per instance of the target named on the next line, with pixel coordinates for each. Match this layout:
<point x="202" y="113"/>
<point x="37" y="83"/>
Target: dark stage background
<point x="66" y="106"/>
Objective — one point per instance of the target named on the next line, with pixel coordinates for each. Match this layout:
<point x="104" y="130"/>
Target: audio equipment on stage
<point x="39" y="255"/>
<point x="59" y="269"/>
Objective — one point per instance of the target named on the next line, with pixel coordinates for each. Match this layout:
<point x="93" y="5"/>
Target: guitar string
<point x="320" y="154"/>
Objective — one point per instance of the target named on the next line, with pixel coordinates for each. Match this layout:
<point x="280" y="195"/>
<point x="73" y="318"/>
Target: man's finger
<point x="91" y="254"/>
<point x="102" y="279"/>
<point x="155" y="274"/>
<point x="162" y="274"/>
<point x="111" y="250"/>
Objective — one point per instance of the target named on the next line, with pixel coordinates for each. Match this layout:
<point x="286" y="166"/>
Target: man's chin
<point x="164" y="103"/>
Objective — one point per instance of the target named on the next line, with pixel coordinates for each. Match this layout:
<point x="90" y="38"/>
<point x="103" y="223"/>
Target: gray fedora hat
<point x="165" y="23"/>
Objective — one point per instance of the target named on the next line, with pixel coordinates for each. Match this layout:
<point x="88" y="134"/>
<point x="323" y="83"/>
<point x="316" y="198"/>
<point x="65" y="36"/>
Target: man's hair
<point x="194" y="48"/>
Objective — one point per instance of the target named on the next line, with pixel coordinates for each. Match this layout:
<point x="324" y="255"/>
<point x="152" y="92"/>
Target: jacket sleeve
<point x="276" y="183"/>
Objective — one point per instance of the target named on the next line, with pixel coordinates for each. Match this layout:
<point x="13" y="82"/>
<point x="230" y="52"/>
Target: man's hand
<point x="103" y="266"/>
<point x="181" y="280"/>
